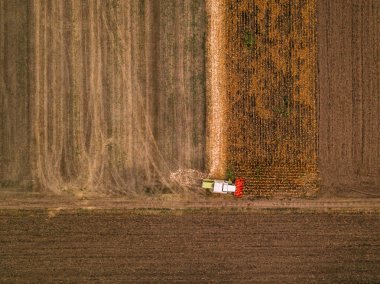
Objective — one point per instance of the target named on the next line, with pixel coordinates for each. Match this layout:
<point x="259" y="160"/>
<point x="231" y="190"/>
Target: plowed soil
<point x="272" y="246"/>
<point x="349" y="101"/>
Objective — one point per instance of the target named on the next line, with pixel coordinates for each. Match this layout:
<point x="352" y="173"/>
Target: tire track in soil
<point x="116" y="97"/>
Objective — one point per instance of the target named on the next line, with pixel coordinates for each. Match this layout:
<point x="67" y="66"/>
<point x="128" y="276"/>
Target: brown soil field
<point x="349" y="101"/>
<point x="14" y="93"/>
<point x="113" y="246"/>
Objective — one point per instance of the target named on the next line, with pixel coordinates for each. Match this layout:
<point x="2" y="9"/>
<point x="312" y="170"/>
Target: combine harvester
<point x="222" y="186"/>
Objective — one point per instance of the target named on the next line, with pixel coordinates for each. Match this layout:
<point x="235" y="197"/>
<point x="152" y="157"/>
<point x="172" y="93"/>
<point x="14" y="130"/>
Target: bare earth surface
<point x="220" y="239"/>
<point x="349" y="101"/>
